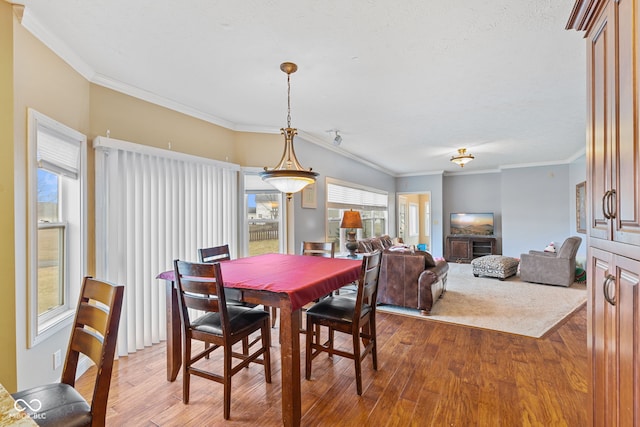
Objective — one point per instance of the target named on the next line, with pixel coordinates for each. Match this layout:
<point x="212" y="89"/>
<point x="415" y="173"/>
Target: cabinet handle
<point x="611" y="202"/>
<point x="606" y="285"/>
<point x="605" y="197"/>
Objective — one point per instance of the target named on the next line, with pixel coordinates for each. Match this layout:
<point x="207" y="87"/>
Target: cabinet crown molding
<point x="583" y="14"/>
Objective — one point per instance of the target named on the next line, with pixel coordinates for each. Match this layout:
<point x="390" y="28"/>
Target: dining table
<point x="12" y="412"/>
<point x="285" y="281"/>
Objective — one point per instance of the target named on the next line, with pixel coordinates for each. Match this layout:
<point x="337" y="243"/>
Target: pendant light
<point x="289" y="176"/>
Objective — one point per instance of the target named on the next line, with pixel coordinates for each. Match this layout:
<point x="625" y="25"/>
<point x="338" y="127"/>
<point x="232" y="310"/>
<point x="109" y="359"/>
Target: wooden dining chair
<point x="94" y="334"/>
<point x="201" y="287"/>
<point x="234" y="296"/>
<point x="345" y="314"/>
<point x="322" y="249"/>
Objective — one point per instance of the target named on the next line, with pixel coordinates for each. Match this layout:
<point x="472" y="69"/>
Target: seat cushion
<point x="338" y="308"/>
<point x="55" y="405"/>
<point x="240" y="319"/>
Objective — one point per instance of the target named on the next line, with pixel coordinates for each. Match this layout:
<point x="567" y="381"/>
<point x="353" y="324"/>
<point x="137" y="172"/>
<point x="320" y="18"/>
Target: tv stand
<point x="463" y="248"/>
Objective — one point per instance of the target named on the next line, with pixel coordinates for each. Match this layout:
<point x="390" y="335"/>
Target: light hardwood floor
<point x="429" y="374"/>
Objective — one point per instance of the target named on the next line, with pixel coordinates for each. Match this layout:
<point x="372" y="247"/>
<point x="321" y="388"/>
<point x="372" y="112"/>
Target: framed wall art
<point x="581" y="207"/>
<point x="309" y="198"/>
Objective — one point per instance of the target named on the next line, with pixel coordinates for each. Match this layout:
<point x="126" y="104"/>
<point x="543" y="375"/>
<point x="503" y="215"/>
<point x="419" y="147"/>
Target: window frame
<point x="75" y="261"/>
<point x="259" y="187"/>
<point x="359" y="207"/>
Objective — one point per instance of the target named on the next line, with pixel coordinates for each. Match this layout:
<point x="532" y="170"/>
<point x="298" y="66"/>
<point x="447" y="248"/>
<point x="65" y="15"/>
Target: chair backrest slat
<point x="94" y="316"/>
<point x="196" y="285"/>
<point x="322" y="249"/>
<point x="88" y="343"/>
<point x="199" y="302"/>
<point x="215" y="254"/>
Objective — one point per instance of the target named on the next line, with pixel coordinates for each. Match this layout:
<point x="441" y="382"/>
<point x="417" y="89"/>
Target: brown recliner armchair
<point x="551" y="268"/>
<point x="412" y="280"/>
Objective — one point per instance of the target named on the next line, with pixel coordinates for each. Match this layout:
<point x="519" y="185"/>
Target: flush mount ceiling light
<point x="289" y="176"/>
<point x="462" y="158"/>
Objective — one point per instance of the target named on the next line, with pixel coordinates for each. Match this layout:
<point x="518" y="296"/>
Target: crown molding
<point x="35" y="27"/>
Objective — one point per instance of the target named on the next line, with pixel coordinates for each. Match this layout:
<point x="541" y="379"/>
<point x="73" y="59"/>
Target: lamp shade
<point x="351" y="219"/>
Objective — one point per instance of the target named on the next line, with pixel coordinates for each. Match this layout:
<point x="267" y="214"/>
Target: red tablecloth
<point x="303" y="278"/>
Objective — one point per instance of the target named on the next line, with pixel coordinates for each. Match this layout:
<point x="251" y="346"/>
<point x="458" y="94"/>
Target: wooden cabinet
<point x="612" y="139"/>
<point x="466" y="248"/>
<point x="614" y="305"/>
<point x="613" y="200"/>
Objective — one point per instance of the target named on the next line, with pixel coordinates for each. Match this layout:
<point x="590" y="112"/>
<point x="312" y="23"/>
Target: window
<point x="263" y="216"/>
<point x="372" y="204"/>
<point x="57" y="223"/>
<point x="413" y="219"/>
<point x="52" y="293"/>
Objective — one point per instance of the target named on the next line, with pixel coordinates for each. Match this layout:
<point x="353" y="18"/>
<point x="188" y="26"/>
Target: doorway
<point x="414" y="219"/>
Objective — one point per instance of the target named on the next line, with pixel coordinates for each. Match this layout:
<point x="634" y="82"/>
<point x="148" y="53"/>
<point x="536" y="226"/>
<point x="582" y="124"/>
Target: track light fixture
<point x="338" y="139"/>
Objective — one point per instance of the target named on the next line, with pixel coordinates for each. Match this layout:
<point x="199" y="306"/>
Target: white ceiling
<point x="407" y="82"/>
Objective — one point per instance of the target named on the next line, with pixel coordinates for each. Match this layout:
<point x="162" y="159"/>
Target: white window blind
<point x="341" y="196"/>
<point x="154" y="206"/>
<point x="57" y="153"/>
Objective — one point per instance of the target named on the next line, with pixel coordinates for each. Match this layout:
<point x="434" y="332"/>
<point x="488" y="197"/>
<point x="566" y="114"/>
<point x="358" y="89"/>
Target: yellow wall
<point x="46" y="83"/>
<point x="134" y="120"/>
<point x="7" y="257"/>
<point x="43" y="81"/>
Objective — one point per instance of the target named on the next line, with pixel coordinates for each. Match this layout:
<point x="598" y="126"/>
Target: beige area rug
<point x="511" y="305"/>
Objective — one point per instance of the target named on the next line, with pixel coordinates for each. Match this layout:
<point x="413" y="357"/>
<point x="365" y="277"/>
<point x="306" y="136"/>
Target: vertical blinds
<point x="152" y="208"/>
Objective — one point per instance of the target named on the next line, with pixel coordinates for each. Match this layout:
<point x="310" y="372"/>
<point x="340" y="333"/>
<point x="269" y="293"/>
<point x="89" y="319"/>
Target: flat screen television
<point x="475" y="224"/>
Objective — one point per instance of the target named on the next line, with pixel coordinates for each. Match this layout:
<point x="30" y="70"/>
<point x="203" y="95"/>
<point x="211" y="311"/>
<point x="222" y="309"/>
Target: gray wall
<point x="310" y="224"/>
<point x="532" y="206"/>
<point x="536" y="208"/>
<point x="474" y="193"/>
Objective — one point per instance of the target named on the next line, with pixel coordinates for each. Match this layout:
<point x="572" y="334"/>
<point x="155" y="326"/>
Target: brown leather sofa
<point x="411" y="279"/>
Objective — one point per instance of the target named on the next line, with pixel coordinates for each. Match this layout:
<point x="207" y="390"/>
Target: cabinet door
<point x="628" y="305"/>
<point x="601" y="63"/>
<point x="626" y="156"/>
<point x="460" y="249"/>
<point x="601" y="338"/>
<point x="614" y="338"/>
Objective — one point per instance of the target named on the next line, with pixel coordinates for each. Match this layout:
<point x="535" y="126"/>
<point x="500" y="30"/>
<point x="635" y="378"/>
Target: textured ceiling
<point x="407" y="82"/>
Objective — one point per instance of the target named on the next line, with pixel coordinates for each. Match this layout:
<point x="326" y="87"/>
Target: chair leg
<point x="358" y="362"/>
<point x="309" y="356"/>
<point x="186" y="376"/>
<point x="374" y="348"/>
<point x="266" y="344"/>
<point x="227" y="382"/>
<point x="330" y="342"/>
<point x="274" y="313"/>
<point x="245" y="346"/>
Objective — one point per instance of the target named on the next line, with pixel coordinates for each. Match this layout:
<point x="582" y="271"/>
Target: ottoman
<point x="497" y="266"/>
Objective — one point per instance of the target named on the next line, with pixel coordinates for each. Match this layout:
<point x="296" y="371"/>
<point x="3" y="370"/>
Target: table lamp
<point x="351" y="219"/>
